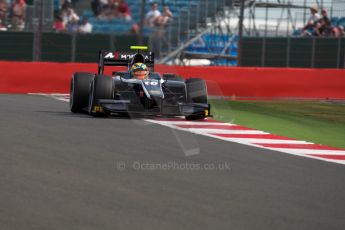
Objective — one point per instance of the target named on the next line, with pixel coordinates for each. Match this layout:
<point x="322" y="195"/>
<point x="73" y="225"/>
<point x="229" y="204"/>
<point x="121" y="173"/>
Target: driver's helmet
<point x="139" y="71"/>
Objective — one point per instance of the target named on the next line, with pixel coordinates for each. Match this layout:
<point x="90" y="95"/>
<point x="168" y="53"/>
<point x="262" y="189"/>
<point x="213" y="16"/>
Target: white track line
<point x="223" y="131"/>
<point x="189" y="123"/>
<point x="310" y="151"/>
<point x="266" y="141"/>
<point x="57" y="96"/>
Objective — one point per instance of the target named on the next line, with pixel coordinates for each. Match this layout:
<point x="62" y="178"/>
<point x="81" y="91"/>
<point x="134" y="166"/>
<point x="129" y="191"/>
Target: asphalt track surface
<point x="61" y="171"/>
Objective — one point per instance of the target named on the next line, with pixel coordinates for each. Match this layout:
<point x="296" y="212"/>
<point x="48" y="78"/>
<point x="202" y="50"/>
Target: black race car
<point x="121" y="94"/>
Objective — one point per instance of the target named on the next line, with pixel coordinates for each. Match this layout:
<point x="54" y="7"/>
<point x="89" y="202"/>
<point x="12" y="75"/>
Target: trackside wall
<point x="268" y="83"/>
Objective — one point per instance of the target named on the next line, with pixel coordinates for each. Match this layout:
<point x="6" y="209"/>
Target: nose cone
<point x="156" y="93"/>
<point x="154" y="89"/>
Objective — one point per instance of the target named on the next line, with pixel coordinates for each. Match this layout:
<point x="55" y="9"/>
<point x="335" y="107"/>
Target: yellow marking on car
<point x="97" y="109"/>
<point x="139" y="48"/>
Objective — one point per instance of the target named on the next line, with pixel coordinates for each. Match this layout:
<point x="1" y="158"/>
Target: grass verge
<point x="315" y="121"/>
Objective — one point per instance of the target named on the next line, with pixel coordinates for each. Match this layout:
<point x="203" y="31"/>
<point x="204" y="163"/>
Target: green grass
<point x="318" y="122"/>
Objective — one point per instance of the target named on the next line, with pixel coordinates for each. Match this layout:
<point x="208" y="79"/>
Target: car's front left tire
<point x="79" y="91"/>
<point x="102" y="87"/>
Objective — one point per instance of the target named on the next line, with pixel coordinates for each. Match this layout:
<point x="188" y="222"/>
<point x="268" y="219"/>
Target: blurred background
<point x="259" y="33"/>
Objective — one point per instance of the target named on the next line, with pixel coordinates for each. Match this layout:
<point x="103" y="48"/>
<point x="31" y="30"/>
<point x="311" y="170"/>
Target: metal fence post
<point x="240" y="35"/>
<point x="169" y="38"/>
<point x="73" y="46"/>
<point x="141" y="23"/>
<point x="263" y="54"/>
<point x="112" y="42"/>
<point x="313" y="53"/>
<point x="288" y="49"/>
<point x="206" y="11"/>
<point x="179" y="31"/>
<point x="266" y="20"/>
<point x="38" y="31"/>
<point x="344" y="55"/>
<point x="304" y="12"/>
<point x="34" y="41"/>
<point x="197" y="16"/>
<point x="339" y="53"/>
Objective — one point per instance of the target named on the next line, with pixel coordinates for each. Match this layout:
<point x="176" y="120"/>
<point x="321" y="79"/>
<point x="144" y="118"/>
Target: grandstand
<point x="191" y="17"/>
<point x="123" y="26"/>
<point x="207" y="29"/>
<point x="200" y="29"/>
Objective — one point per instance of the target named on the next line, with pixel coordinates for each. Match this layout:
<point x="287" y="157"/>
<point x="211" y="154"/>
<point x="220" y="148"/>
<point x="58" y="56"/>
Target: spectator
<point x="163" y="19"/>
<point x="85" y="26"/>
<point x="323" y="26"/>
<point x="314" y="14"/>
<point x="152" y="15"/>
<point x="308" y="29"/>
<point x="72" y="25"/>
<point x="124" y="11"/>
<point x="135" y="29"/>
<point x="69" y="16"/>
<point x="338" y="31"/>
<point x="324" y="15"/>
<point x="66" y="5"/>
<point x="59" y="26"/>
<point x="18" y="15"/>
<point x="3" y="14"/>
<point x="108" y="10"/>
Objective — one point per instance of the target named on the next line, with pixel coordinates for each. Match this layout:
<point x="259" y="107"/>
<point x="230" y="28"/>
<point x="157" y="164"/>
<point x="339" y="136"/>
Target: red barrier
<point x="27" y="77"/>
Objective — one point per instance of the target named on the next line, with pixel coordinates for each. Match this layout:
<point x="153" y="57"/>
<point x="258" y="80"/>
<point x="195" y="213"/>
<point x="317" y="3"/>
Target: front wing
<point x="163" y="109"/>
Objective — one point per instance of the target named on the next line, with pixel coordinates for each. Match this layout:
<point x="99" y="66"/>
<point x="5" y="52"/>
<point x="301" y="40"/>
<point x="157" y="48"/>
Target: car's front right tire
<point x="172" y="77"/>
<point x="196" y="93"/>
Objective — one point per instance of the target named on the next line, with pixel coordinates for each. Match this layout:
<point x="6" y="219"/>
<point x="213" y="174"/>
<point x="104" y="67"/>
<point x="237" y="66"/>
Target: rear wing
<point x="108" y="58"/>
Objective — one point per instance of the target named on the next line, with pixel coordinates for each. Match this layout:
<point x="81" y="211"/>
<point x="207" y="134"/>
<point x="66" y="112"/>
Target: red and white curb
<point x="256" y="138"/>
<point x="247" y="136"/>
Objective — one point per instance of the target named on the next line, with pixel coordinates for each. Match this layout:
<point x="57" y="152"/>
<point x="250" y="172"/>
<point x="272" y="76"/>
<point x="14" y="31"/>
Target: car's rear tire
<point x="79" y="91"/>
<point x="172" y="77"/>
<point x="102" y="87"/>
<point x="196" y="93"/>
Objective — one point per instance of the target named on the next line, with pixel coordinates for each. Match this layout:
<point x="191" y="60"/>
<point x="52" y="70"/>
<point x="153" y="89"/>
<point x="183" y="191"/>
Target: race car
<point x="139" y="91"/>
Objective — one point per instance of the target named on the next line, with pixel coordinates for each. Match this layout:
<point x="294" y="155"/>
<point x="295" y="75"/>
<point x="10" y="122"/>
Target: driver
<point x="139" y="71"/>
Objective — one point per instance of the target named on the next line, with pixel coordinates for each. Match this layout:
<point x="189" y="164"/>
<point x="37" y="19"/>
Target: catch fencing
<point x="60" y="47"/>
